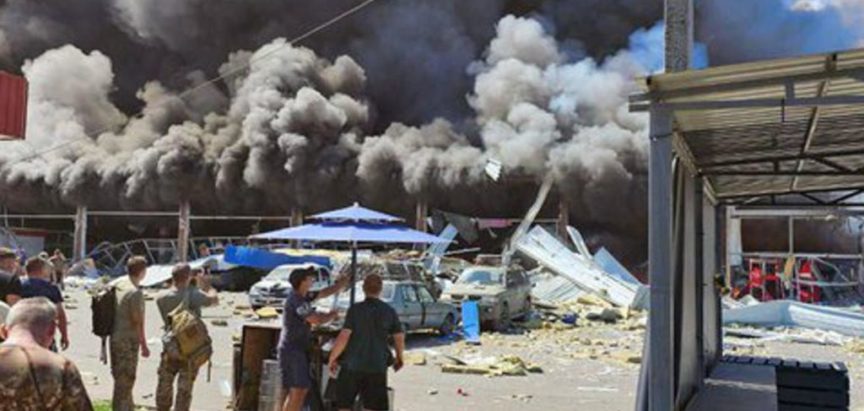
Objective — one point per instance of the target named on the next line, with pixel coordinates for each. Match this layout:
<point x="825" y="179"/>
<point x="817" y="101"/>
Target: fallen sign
<point x="795" y="314"/>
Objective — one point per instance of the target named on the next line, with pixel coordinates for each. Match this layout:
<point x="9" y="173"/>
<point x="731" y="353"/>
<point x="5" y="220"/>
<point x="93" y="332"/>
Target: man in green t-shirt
<point x="363" y="351"/>
<point x="128" y="336"/>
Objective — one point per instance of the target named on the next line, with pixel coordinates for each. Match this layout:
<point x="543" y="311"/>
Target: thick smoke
<point x="407" y="99"/>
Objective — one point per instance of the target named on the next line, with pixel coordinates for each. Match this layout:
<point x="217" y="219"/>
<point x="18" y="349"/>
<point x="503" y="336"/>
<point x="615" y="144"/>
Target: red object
<point x="13" y="106"/>
<point x="807" y="293"/>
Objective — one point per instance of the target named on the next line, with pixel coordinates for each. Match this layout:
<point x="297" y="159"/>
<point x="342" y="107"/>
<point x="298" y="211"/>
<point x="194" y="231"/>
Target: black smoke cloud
<point x="406" y="99"/>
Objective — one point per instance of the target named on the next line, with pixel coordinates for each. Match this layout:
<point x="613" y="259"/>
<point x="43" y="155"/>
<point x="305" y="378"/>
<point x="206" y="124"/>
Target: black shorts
<point x="370" y="386"/>
<point x="294" y="365"/>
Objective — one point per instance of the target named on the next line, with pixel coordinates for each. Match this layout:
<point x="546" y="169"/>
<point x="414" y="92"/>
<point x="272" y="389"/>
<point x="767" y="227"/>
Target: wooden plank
<point x="258" y="342"/>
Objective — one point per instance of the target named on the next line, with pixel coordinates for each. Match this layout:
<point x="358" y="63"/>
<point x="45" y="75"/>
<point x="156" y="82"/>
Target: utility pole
<point x="79" y="240"/>
<point x="183" y="230"/>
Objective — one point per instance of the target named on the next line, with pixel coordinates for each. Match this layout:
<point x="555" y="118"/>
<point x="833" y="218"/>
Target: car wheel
<point x="447" y="326"/>
<point x="503" y="322"/>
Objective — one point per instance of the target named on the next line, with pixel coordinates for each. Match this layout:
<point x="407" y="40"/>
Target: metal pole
<point x="563" y="217"/>
<point x="662" y="362"/>
<point x="79" y="240"/>
<point x="353" y="271"/>
<point x="421" y="214"/>
<point x="183" y="232"/>
<point x="702" y="280"/>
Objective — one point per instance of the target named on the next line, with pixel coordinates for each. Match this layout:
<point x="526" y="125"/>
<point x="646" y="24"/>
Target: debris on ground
<point x="414" y="358"/>
<point x="219" y="323"/>
<point x="507" y="365"/>
<point x="267" y="313"/>
<point x="432" y="391"/>
<point x="787" y="313"/>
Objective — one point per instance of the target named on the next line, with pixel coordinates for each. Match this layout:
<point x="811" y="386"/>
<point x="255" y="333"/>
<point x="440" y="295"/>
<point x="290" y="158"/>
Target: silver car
<point x="501" y="294"/>
<point x="413" y="302"/>
<point x="274" y="288"/>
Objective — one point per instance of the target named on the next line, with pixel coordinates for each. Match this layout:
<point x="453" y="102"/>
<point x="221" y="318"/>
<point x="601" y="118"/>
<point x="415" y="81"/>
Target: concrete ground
<point x="586" y="368"/>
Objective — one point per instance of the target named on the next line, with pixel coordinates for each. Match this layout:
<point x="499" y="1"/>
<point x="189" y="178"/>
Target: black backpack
<point x="104" y="305"/>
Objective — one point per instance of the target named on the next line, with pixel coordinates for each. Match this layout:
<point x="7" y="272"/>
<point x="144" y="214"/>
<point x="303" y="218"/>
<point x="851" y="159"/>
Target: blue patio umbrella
<point x="356" y="212"/>
<point x="353" y="225"/>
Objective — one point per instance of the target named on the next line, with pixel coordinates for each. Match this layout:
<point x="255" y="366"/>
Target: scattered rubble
<point x="267" y="313"/>
<point x="507" y="365"/>
<point x="414" y="358"/>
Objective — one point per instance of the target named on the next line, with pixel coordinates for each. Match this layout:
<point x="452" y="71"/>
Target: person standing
<point x="171" y="368"/>
<point x="32" y="377"/>
<point x="128" y="336"/>
<point x="298" y="316"/>
<point x="58" y="260"/>
<point x="10" y="284"/>
<point x="363" y="351"/>
<point x="38" y="284"/>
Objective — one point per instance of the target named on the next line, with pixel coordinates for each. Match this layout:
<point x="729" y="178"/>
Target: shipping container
<point x="13" y="106"/>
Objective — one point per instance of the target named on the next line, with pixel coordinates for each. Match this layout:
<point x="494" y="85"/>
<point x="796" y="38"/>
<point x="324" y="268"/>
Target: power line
<point x="222" y="76"/>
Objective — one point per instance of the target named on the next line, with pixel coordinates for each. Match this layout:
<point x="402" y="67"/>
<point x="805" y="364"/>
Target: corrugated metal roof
<point x="780" y="139"/>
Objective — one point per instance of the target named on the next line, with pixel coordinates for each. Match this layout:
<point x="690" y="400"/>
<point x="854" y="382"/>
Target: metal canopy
<point x="774" y="127"/>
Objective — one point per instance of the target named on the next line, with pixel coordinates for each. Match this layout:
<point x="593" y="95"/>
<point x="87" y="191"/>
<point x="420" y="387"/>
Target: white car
<point x="274" y="288"/>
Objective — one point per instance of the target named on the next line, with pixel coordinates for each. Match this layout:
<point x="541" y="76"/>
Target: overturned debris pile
<point x="795" y="314"/>
<point x="566" y="275"/>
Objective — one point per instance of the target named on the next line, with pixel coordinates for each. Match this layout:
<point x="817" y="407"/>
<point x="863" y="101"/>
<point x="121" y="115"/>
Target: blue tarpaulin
<point x="471" y="322"/>
<point x="268" y="260"/>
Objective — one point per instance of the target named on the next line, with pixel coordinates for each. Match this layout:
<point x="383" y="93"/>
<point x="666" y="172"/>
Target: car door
<point x="431" y="315"/>
<point x="411" y="308"/>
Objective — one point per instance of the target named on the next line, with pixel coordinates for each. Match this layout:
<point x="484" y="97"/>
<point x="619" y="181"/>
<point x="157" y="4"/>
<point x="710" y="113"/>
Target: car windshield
<point x="482" y="277"/>
<point x="386" y="293"/>
<point x="281" y="273"/>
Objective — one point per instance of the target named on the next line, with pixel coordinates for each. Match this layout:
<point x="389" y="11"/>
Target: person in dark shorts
<point x="298" y="317"/>
<point x="364" y="354"/>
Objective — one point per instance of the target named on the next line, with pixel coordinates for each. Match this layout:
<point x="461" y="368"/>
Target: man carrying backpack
<point x="180" y="299"/>
<point x="128" y="337"/>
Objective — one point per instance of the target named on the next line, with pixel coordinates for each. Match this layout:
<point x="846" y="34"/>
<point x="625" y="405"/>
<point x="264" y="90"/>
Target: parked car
<point x="413" y="302"/>
<point x="226" y="276"/>
<point x="501" y="294"/>
<point x="274" y="288"/>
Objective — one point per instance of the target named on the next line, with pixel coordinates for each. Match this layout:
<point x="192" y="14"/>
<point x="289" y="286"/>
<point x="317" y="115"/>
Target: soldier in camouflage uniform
<point x="170" y="367"/>
<point x="32" y="378"/>
<point x="128" y="336"/>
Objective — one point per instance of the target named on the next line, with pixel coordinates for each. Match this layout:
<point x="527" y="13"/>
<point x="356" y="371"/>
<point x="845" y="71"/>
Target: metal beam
<point x="745" y="84"/>
<point x="813" y="123"/>
<point x="751" y="103"/>
<point x="760" y="158"/>
<point x="761" y="212"/>
<point x="751" y="194"/>
<point x="662" y="360"/>
<point x="830" y="163"/>
<point x="782" y="173"/>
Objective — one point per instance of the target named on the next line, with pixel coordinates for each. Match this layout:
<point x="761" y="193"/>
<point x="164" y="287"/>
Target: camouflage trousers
<point x="169" y="370"/>
<point x="124" y="365"/>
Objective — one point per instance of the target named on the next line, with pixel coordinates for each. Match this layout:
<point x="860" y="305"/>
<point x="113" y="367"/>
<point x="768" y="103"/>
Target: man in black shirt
<point x="10" y="285"/>
<point x="363" y="351"/>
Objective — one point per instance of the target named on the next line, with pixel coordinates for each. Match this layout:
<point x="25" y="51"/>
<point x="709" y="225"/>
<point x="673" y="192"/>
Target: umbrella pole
<point x="353" y="270"/>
